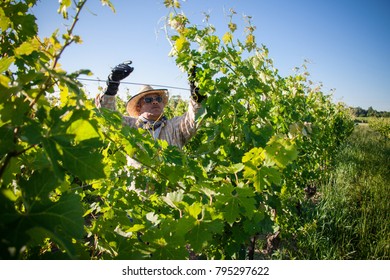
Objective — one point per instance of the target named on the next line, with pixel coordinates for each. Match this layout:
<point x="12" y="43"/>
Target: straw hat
<point x="131" y="106"/>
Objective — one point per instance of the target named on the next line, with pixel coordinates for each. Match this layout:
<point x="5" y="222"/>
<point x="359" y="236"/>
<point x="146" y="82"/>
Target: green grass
<point x="351" y="220"/>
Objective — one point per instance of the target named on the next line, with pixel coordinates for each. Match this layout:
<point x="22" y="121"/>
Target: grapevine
<point x="68" y="192"/>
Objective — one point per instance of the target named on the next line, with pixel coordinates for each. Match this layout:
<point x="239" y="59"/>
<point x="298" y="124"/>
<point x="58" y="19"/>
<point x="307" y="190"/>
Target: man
<point x="146" y="108"/>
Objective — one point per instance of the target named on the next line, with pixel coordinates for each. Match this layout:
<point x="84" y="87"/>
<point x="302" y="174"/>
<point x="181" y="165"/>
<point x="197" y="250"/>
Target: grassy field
<point x="351" y="219"/>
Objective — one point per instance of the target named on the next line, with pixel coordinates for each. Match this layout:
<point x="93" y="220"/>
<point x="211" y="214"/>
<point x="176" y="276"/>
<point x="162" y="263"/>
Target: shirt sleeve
<point x="105" y="101"/>
<point x="185" y="126"/>
<point x="109" y="102"/>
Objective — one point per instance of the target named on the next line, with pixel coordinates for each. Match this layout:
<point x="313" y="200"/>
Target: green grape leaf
<point x="280" y="151"/>
<point x="61" y="220"/>
<point x="236" y="202"/>
<point x="83" y="160"/>
<point x="26" y="48"/>
<point x="184" y="225"/>
<point x="37" y="189"/>
<point x="227" y="38"/>
<point x="202" y="233"/>
<point x="182" y="44"/>
<point x="255" y="224"/>
<point x="83" y="130"/>
<point x="6" y="62"/>
<point x="194" y="210"/>
<point x="6" y="139"/>
<point x="173" y="198"/>
<point x="5" y="22"/>
<point x="32" y="133"/>
<point x="266" y="176"/>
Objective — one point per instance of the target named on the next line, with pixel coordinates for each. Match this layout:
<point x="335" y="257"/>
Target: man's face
<point x="151" y="106"/>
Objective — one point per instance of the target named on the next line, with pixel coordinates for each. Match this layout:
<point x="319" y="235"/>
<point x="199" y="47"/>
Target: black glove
<point x="118" y="73"/>
<point x="194" y="90"/>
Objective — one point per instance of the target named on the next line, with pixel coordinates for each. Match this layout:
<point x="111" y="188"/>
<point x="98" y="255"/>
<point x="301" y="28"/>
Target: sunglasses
<point x="150" y="99"/>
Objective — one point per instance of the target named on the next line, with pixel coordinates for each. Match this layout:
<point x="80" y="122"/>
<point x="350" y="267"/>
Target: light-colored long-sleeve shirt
<point x="176" y="131"/>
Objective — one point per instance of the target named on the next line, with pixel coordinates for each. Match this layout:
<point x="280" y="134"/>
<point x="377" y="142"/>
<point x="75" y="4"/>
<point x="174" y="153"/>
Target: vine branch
<point x="69" y="39"/>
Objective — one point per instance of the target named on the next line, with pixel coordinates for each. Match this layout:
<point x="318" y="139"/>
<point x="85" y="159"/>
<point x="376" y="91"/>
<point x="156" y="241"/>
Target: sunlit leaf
<point x="83" y="130"/>
<point x="227" y="38"/>
<point x="281" y="152"/>
<point x="182" y="44"/>
<point x="27" y="47"/>
<point x="5" y="63"/>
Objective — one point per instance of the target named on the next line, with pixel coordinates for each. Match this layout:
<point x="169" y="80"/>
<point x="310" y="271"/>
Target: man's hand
<point x="195" y="95"/>
<point x="118" y="73"/>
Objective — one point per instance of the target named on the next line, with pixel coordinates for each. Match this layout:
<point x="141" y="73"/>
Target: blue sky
<point x="345" y="41"/>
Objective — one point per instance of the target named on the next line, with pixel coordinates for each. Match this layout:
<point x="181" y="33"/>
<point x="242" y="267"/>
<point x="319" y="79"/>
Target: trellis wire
<point x="132" y="83"/>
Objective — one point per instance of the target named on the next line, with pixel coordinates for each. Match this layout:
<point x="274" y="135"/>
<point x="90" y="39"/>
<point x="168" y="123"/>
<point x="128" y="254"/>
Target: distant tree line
<point x="370" y="112"/>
